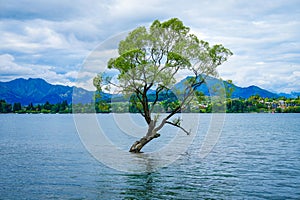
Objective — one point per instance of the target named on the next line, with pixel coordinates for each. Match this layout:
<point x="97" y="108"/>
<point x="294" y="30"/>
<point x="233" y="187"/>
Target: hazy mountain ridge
<point x="36" y="90"/>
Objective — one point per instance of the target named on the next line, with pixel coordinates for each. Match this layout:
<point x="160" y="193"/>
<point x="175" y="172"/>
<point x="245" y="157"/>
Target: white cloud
<point x="10" y="69"/>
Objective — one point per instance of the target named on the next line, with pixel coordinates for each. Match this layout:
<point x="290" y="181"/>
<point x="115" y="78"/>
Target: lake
<point x="257" y="156"/>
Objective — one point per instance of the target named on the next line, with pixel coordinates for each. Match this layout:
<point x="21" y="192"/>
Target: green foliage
<point x="63" y="107"/>
<point x="102" y="107"/>
<point x="292" y="109"/>
<point x="229" y="89"/>
<point x="5" y="107"/>
<point x="17" y="107"/>
<point x="150" y="59"/>
<point x="167" y="103"/>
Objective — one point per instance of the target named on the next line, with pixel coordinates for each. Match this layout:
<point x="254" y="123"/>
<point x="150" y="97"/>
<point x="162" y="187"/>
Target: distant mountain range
<point x="236" y="91"/>
<point x="38" y="91"/>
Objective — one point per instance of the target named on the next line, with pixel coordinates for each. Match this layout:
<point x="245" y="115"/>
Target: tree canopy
<point x="151" y="58"/>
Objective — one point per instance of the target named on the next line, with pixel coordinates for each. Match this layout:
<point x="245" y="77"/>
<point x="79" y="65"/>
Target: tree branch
<point x="158" y="90"/>
<point x="178" y="126"/>
<point x="190" y="92"/>
<point x="145" y="105"/>
<point x="140" y="111"/>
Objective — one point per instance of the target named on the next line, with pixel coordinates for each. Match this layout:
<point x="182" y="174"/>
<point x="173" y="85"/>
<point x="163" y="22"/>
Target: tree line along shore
<point x="252" y="104"/>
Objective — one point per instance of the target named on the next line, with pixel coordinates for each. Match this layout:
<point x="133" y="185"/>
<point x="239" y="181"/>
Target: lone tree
<point x="150" y="60"/>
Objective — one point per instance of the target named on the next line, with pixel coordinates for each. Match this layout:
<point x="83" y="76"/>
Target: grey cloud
<point x="63" y="33"/>
<point x="34" y="9"/>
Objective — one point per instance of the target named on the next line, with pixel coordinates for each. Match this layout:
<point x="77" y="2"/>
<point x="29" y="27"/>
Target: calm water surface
<point x="256" y="157"/>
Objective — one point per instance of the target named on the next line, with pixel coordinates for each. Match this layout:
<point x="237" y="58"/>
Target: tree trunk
<point x="151" y="134"/>
<point x="138" y="145"/>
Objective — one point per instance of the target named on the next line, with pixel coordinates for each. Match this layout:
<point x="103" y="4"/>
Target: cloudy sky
<point x="53" y="39"/>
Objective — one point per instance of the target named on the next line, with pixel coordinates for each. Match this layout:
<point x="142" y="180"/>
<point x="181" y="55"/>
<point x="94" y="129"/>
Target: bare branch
<point x="178" y="126"/>
<point x="161" y="125"/>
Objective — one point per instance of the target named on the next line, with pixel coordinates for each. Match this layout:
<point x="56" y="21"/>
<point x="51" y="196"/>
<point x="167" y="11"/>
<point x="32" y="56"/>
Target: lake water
<point x="257" y="157"/>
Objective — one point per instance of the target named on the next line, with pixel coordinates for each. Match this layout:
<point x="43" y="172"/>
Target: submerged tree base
<point x="138" y="145"/>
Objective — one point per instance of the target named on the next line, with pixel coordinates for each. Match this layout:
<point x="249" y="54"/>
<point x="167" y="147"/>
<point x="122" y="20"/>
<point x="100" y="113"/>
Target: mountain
<point x="246" y="92"/>
<point x="38" y="91"/>
<point x="291" y="95"/>
<point x="236" y="91"/>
